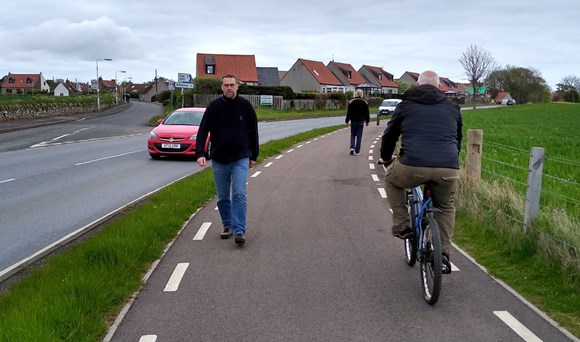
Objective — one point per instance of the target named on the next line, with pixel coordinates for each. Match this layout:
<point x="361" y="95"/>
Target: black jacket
<point x="430" y="125"/>
<point x="233" y="128"/>
<point x="358" y="110"/>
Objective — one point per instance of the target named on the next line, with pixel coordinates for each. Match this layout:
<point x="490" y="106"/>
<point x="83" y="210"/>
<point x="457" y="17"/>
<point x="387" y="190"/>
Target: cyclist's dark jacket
<point x="233" y="129"/>
<point x="430" y="125"/>
<point x="357" y="111"/>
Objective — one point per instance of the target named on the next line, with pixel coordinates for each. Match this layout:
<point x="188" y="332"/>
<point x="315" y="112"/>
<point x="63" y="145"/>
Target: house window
<point x="210" y="69"/>
<point x="380" y="77"/>
<point x="28" y="80"/>
<point x="11" y="80"/>
<point x="349" y="75"/>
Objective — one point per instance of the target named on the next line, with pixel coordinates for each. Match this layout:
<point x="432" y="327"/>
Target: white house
<point x="61" y="90"/>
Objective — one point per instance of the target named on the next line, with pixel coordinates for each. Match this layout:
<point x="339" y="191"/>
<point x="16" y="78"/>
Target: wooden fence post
<point x="473" y="158"/>
<point x="535" y="171"/>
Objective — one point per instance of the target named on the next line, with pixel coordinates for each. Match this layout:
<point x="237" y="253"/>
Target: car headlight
<point x="193" y="137"/>
<point x="152" y="135"/>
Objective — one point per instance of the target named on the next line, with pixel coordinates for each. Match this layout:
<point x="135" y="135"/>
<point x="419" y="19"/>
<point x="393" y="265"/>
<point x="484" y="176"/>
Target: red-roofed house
<point x="24" y="84"/>
<point x="346" y="74"/>
<point x="64" y="89"/>
<point x="216" y="65"/>
<point x="311" y="76"/>
<point x="447" y="86"/>
<point x="109" y="85"/>
<point x="380" y="79"/>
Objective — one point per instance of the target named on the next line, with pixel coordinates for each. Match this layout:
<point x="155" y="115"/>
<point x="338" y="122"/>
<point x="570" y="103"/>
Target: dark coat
<point x="357" y="111"/>
<point x="430" y="125"/>
<point x="233" y="128"/>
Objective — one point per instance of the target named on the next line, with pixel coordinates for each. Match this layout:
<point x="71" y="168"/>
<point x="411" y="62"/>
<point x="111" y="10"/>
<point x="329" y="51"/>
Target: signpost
<point x="184" y="81"/>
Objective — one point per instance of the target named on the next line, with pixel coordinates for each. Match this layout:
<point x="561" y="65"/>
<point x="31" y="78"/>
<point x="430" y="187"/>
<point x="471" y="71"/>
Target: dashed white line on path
<point x="175" y="279"/>
<point x="109" y="157"/>
<point x="516" y="326"/>
<point x="290" y="150"/>
<point x="7" y="180"/>
<point x="370" y="157"/>
<point x="201" y="231"/>
<point x="148" y="338"/>
<point x="382" y="192"/>
<point x="371" y="166"/>
<point x="280" y="156"/>
<point x="256" y="174"/>
<point x="268" y="165"/>
<point x="375" y="177"/>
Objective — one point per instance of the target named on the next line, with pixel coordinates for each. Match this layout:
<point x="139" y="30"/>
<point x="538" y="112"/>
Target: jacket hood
<point x="425" y="94"/>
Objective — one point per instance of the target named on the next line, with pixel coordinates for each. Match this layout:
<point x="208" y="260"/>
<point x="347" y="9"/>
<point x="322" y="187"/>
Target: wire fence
<point x="559" y="190"/>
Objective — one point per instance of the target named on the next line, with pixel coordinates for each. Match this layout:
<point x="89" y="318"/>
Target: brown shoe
<point x="226" y="233"/>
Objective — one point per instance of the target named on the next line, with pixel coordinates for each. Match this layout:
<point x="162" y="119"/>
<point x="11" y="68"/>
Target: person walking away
<point x="232" y="125"/>
<point x="358" y="114"/>
<point x="430" y="127"/>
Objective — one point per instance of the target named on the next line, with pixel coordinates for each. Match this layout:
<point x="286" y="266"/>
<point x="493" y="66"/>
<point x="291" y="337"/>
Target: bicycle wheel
<point x="410" y="245"/>
<point x="431" y="261"/>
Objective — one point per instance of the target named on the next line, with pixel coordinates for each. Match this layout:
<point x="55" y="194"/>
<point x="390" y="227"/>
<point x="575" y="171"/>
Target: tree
<point x="569" y="88"/>
<point x="477" y="64"/>
<point x="523" y="84"/>
<point x="403" y="86"/>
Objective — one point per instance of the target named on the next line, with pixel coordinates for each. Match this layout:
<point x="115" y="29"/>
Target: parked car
<point x="387" y="107"/>
<point x="176" y="134"/>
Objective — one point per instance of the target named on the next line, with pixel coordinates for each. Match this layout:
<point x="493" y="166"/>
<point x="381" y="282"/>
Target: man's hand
<point x="252" y="163"/>
<point x="201" y="161"/>
<point x="346" y="124"/>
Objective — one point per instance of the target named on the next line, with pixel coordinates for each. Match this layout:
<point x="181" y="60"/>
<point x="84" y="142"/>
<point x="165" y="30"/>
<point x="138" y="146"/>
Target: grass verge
<point x="74" y="295"/>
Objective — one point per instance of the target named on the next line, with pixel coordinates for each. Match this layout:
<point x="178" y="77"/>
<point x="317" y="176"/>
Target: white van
<point x="387" y="107"/>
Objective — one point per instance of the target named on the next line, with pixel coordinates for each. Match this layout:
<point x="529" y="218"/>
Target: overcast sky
<point x="63" y="39"/>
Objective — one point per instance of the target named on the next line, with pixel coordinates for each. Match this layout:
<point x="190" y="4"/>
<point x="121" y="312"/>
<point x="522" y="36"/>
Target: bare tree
<point x="477" y="64"/>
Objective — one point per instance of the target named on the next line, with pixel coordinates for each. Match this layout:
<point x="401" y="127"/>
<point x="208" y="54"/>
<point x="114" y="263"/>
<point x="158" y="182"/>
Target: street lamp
<point x="117" y="86"/>
<point x="98" y="98"/>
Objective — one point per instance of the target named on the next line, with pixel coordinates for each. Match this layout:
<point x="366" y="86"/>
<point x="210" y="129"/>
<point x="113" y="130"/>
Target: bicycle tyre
<point x="431" y="261"/>
<point x="410" y="245"/>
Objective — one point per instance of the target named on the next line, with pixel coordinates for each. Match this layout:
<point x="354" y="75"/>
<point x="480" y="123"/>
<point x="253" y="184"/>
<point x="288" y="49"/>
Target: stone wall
<point x="9" y="112"/>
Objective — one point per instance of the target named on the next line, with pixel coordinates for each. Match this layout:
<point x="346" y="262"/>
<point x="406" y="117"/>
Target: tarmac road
<point x="319" y="265"/>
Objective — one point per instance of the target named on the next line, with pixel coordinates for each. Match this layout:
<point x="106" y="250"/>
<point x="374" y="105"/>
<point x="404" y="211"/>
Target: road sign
<point x="184" y="78"/>
<point x="94" y="84"/>
<point x="183" y="85"/>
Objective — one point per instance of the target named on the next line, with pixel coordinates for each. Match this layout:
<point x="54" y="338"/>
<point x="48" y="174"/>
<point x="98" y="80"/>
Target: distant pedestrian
<point x="358" y="114"/>
<point x="232" y="125"/>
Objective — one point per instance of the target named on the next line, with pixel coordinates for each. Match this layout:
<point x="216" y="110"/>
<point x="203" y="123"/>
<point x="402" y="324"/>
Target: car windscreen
<point x="389" y="104"/>
<point x="184" y="118"/>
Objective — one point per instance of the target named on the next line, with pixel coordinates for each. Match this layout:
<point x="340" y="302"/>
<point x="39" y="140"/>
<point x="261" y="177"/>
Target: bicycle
<point x="425" y="244"/>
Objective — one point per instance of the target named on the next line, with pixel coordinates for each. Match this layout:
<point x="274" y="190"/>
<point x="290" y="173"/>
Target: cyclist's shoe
<point x="226" y="233"/>
<point x="351" y="151"/>
<point x="446" y="264"/>
<point x="406" y="233"/>
<point x="240" y="239"/>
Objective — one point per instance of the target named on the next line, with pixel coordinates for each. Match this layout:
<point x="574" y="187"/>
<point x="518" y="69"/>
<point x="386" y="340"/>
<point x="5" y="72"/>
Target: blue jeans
<point x="356" y="131"/>
<point x="230" y="184"/>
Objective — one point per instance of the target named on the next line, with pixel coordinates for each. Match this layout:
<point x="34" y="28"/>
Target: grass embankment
<point x="76" y="293"/>
<point x="543" y="264"/>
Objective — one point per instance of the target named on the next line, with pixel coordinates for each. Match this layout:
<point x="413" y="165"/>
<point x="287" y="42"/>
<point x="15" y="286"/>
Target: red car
<point x="175" y="135"/>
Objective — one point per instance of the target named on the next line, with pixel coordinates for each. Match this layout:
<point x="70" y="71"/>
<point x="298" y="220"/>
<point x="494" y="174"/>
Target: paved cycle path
<point x="319" y="265"/>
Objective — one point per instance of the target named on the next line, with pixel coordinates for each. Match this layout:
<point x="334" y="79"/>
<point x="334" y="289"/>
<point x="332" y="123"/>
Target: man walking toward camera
<point x="358" y="114"/>
<point x="232" y="125"/>
<point x="430" y="128"/>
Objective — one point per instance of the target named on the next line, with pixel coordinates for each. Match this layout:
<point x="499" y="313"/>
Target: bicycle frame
<point x="420" y="207"/>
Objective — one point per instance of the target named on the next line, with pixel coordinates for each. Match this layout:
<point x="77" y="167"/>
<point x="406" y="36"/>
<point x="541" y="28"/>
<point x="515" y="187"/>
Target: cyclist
<point x="430" y="128"/>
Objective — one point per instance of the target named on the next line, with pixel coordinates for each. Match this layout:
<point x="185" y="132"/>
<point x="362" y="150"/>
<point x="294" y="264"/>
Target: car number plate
<point x="170" y="145"/>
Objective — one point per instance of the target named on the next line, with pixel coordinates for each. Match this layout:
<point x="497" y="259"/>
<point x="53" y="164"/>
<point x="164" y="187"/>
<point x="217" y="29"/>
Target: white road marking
<point x="375" y="177"/>
<point x="280" y="156"/>
<point x="7" y="180"/>
<point x="176" y="277"/>
<point x="382" y="192"/>
<point x="370" y="157"/>
<point x="148" y="338"/>
<point x="391" y="210"/>
<point x="44" y="143"/>
<point x="299" y="146"/>
<point x="201" y="231"/>
<point x="268" y="165"/>
<point x="371" y="151"/>
<point x="454" y="268"/>
<point x="516" y="326"/>
<point x="290" y="150"/>
<point x="105" y="158"/>
<point x="373" y="146"/>
<point x="308" y="142"/>
<point x="315" y="139"/>
<point x="256" y="174"/>
<point x="371" y="166"/>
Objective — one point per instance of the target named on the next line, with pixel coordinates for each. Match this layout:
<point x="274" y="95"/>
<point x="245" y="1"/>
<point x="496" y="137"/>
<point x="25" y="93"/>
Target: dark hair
<point x="230" y="76"/>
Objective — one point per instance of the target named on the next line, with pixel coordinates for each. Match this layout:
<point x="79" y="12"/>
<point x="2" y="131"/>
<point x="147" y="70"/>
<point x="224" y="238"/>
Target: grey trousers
<point x="400" y="177"/>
